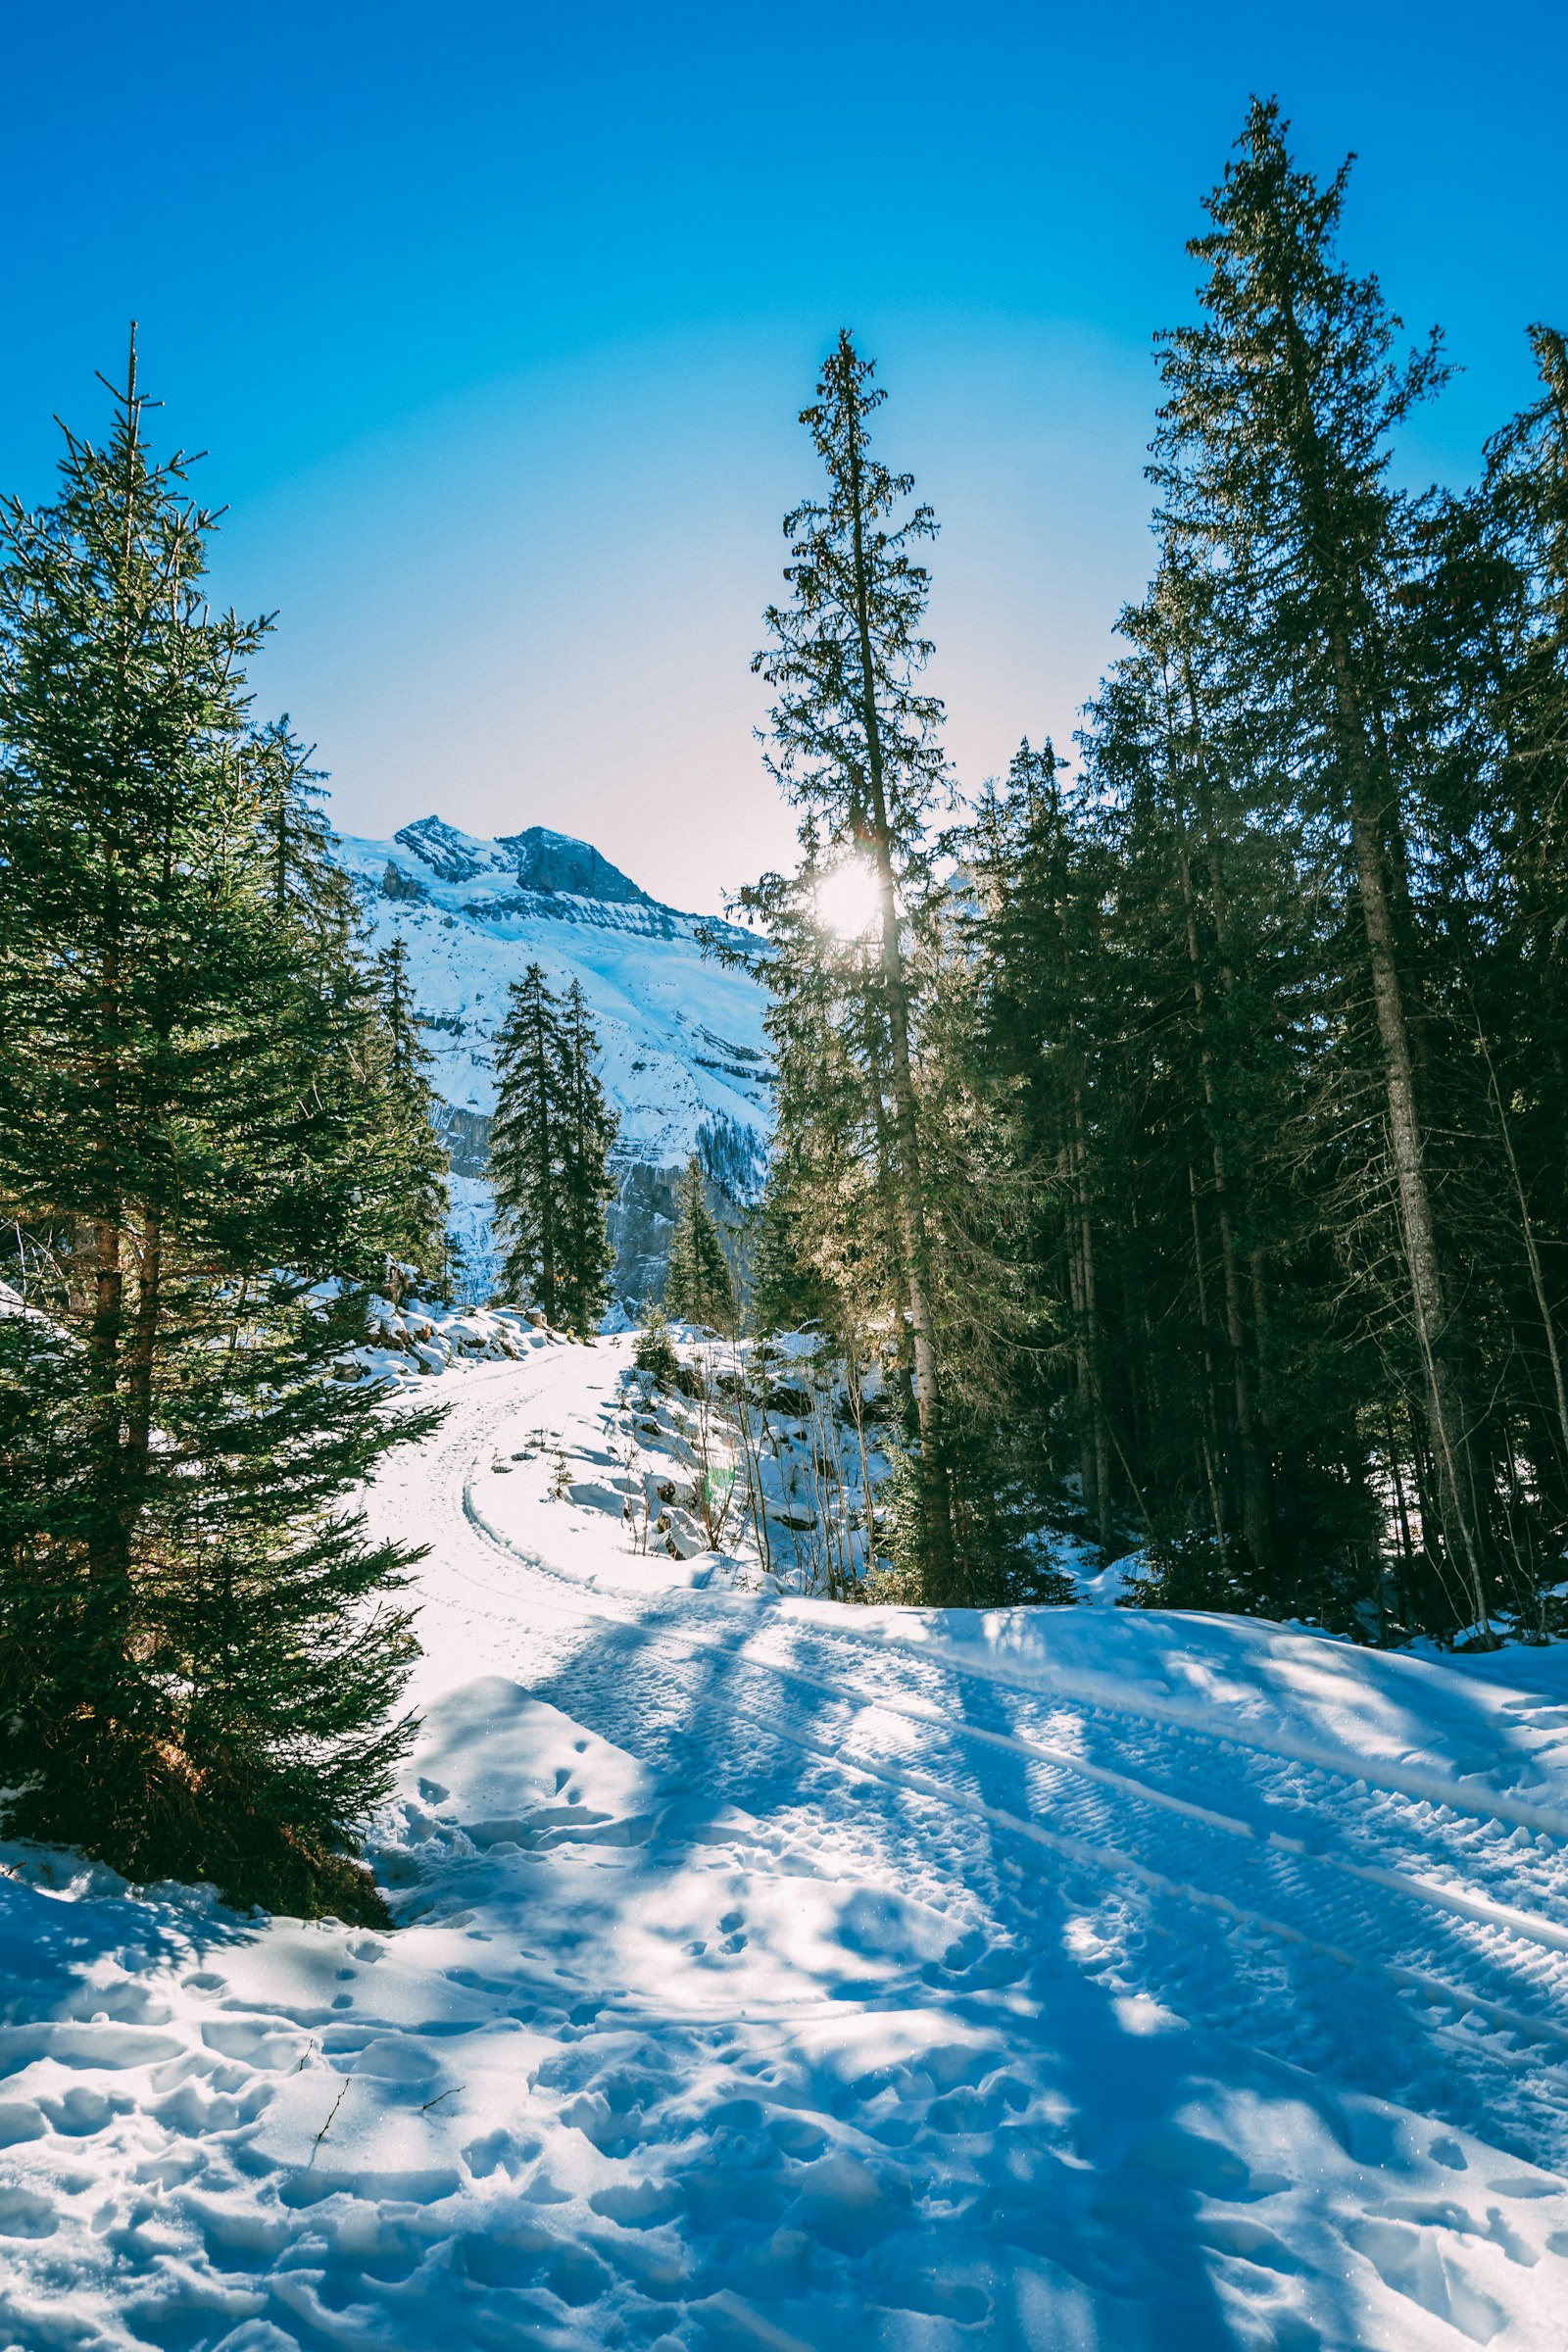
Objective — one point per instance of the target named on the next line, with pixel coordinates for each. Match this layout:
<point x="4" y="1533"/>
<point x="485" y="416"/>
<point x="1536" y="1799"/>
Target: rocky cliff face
<point x="685" y="1061"/>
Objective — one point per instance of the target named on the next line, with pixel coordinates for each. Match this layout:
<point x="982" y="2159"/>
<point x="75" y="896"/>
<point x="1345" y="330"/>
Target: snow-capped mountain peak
<point x="684" y="1061"/>
<point x="537" y="859"/>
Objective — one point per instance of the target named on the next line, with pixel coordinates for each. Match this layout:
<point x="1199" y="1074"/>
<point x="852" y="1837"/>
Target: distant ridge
<point x="685" y="1056"/>
<point x="542" y="860"/>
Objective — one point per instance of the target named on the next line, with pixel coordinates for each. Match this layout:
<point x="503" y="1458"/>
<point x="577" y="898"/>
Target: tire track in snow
<point x="1369" y="1948"/>
<point x="1411" y="1784"/>
<point x="1288" y="1897"/>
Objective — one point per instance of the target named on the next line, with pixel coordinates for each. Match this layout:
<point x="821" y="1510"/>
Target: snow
<point x="633" y="1458"/>
<point x="408" y="1342"/>
<point x="683" y="1046"/>
<point x="771" y="1971"/>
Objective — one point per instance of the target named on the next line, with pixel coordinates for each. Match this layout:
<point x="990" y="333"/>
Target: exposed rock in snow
<point x="685" y="1060"/>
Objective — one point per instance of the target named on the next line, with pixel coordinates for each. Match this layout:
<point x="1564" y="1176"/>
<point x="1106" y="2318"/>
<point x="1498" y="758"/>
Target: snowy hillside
<point x="777" y="1973"/>
<point x="684" y="1056"/>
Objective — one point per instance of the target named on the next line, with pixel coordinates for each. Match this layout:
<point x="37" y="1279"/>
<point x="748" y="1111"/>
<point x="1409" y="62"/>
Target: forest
<point x="1193" y="1111"/>
<point x="1175" y="1125"/>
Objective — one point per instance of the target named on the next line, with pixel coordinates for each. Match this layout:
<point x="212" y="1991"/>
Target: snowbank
<point x="775" y="1973"/>
<point x="417" y="1339"/>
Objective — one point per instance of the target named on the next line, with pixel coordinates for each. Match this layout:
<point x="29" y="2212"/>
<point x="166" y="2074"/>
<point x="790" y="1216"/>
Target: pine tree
<point x="1274" y="443"/>
<point x="589" y="1128"/>
<point x="855" y="745"/>
<point x="199" y="1646"/>
<point x="1029" y="935"/>
<point x="787" y="1290"/>
<point x="699" y="1287"/>
<point x="422" y="1164"/>
<point x="307" y="885"/>
<point x="1200" y="1152"/>
<point x="550" y="1147"/>
<point x="529" y="1142"/>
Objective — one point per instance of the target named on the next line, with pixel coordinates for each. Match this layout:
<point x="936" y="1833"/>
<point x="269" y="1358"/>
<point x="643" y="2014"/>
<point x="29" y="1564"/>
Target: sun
<point x="848" y="899"/>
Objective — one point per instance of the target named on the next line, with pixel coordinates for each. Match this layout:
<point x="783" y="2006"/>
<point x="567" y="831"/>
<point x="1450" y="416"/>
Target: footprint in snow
<point x="23" y="2214"/>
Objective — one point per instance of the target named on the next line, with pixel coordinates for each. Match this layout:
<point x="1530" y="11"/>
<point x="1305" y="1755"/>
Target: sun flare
<point x="847" y="898"/>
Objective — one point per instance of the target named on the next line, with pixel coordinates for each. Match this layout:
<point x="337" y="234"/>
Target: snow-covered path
<point x="772" y="1973"/>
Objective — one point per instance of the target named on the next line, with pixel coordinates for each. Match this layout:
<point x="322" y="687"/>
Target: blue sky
<point x="495" y="321"/>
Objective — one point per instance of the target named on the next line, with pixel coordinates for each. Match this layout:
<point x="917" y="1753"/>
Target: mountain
<point x="685" y="1061"/>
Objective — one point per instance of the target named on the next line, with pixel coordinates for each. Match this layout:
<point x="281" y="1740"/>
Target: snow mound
<point x="417" y="1339"/>
<point x="775" y="1973"/>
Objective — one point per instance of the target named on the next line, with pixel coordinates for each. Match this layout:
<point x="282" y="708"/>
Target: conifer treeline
<point x="550" y="1147"/>
<point x="699" y="1287"/>
<point x="213" y="1141"/>
<point x="1195" y="1135"/>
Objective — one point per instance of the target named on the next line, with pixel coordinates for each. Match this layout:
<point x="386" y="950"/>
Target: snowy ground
<point x="772" y="1973"/>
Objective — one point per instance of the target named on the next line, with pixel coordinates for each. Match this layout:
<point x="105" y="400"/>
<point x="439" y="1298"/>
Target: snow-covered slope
<point x="684" y="1054"/>
<point x="774" y="1973"/>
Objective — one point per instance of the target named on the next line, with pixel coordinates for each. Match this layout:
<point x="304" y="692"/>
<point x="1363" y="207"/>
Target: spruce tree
<point x="699" y="1287"/>
<point x="854" y="744"/>
<point x="787" y="1290"/>
<point x="1235" y="1070"/>
<point x="1275" y="445"/>
<point x="589" y="1128"/>
<point x="550" y="1147"/>
<point x="306" y="883"/>
<point x="199" y="1645"/>
<point x="411" y="1106"/>
<point x="528" y="1143"/>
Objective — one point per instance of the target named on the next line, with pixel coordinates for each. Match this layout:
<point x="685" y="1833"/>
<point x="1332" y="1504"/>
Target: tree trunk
<point x="1208" y="1417"/>
<point x="1374" y="824"/>
<point x="1091" y="1299"/>
<point x="1445" y="1404"/>
<point x="935" y="1500"/>
<point x="546" y="1173"/>
<point x="1253" y="1469"/>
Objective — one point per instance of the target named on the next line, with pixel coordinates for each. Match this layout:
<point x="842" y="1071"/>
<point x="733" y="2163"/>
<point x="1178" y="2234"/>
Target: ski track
<point x="1456" y="1947"/>
<point x="1089" y="1926"/>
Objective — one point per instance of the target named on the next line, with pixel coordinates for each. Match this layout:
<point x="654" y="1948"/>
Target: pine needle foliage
<point x="699" y="1287"/>
<point x="590" y="1127"/>
<point x="420" y="1244"/>
<point x="1205" y="1125"/>
<point x="550" y="1152"/>
<point x="200" y="1647"/>
<point x="855" y="742"/>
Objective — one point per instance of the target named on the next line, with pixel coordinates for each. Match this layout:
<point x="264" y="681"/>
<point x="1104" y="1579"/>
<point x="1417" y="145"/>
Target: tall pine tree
<point x="527" y="1142"/>
<point x="589" y="1127"/>
<point x="699" y="1287"/>
<point x="409" y="1099"/>
<point x="854" y="744"/>
<point x="199" y="1645"/>
<point x="550" y="1147"/>
<point x="1275" y="447"/>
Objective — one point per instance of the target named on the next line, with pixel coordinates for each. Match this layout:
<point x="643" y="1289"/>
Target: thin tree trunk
<point x="887" y="1192"/>
<point x="144" y="1346"/>
<point x="1532" y="1252"/>
<point x="1102" y="1456"/>
<point x="1253" y="1470"/>
<point x="1209" y="1415"/>
<point x="1446" y="1403"/>
<point x="1260" y="1330"/>
<point x="937" y="1506"/>
<point x="1372" y="823"/>
<point x="1080" y="1352"/>
<point x="1407" y="1543"/>
<point x="1445" y="1400"/>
